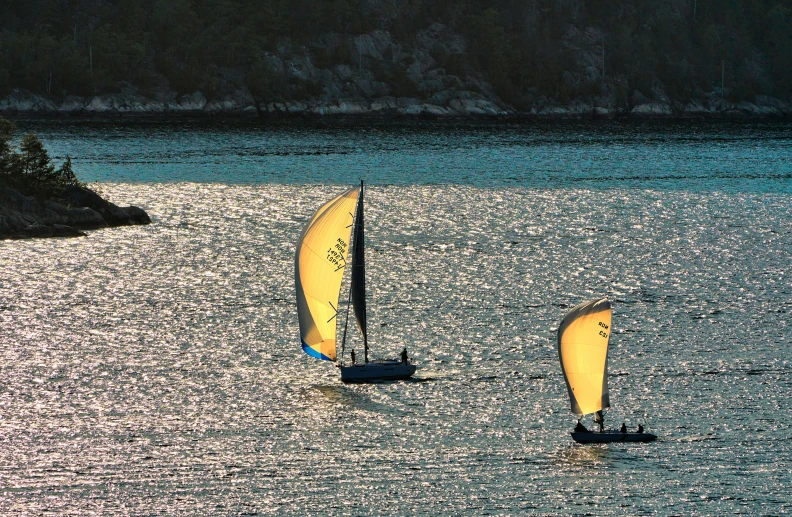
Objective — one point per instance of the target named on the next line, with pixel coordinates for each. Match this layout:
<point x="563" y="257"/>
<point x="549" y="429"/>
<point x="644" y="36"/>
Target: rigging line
<point x="349" y="299"/>
<point x="346" y="323"/>
<point x="334" y="308"/>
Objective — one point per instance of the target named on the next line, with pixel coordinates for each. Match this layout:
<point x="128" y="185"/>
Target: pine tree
<point x="7" y="130"/>
<point x="35" y="161"/>
<point x="65" y="174"/>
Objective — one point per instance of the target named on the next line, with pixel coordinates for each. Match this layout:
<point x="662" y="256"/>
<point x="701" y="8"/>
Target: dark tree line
<point x="29" y="169"/>
<point x="62" y="47"/>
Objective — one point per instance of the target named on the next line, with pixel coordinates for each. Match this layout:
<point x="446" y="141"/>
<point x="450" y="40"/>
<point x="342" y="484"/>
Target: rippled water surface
<point x="157" y="370"/>
<point x="639" y="154"/>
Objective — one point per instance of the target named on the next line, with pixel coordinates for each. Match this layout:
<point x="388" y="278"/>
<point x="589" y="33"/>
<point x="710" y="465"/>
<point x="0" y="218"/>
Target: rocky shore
<point x="390" y="78"/>
<point x="456" y="104"/>
<point x="78" y="209"/>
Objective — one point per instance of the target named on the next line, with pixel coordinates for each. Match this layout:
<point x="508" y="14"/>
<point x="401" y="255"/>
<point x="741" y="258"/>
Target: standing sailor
<point x="599" y="418"/>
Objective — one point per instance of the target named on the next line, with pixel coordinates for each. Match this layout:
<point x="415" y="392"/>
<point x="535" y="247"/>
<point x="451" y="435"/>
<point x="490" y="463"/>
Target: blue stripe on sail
<point x="313" y="353"/>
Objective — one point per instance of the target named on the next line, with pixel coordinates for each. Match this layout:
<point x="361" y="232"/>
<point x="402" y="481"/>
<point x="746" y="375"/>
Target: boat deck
<point x="377" y="371"/>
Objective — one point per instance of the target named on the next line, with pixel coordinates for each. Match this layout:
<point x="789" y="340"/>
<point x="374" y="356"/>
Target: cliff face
<point x="633" y="58"/>
<point x="387" y="77"/>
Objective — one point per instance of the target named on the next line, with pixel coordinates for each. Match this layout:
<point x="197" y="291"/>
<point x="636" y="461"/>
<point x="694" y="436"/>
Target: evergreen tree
<point x="35" y="162"/>
<point x="7" y="129"/>
<point x="30" y="170"/>
<point x="65" y="175"/>
<point x="62" y="47"/>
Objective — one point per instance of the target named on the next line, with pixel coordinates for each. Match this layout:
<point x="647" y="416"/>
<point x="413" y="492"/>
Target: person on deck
<point x="623" y="428"/>
<point x="580" y="428"/>
<point x="599" y="418"/>
<point x="640" y="428"/>
<point x="404" y="358"/>
<point x="352" y="354"/>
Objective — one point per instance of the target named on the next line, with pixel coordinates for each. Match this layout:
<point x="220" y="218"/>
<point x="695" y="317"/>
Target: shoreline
<point x="23" y="104"/>
<point x="518" y="118"/>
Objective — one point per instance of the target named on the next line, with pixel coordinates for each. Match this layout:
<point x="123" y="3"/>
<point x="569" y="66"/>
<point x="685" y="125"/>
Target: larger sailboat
<point x="319" y="264"/>
<point x="583" y="338"/>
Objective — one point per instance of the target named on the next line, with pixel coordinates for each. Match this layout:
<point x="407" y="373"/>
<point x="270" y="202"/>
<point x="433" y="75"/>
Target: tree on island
<point x="30" y="169"/>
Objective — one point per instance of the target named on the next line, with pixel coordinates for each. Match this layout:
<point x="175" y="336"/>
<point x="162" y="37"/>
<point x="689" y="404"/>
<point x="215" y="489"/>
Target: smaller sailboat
<point x="319" y="265"/>
<point x="583" y="338"/>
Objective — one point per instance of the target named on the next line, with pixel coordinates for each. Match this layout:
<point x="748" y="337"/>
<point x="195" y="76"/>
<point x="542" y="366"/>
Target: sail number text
<point x="336" y="254"/>
<point x="604" y="327"/>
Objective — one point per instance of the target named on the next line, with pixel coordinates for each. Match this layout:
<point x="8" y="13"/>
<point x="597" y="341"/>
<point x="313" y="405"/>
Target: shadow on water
<point x="579" y="456"/>
<point x="347" y="397"/>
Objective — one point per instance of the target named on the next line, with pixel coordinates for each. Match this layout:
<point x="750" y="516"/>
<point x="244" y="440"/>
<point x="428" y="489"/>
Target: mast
<point x="358" y="280"/>
<point x="357" y="283"/>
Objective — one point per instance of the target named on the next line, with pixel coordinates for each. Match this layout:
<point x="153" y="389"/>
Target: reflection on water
<point x="157" y="369"/>
<point x="574" y="455"/>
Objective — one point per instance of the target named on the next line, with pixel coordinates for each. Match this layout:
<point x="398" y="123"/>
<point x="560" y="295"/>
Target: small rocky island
<point x="39" y="200"/>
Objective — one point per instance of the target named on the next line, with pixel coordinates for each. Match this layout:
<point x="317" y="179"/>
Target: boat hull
<point x="612" y="436"/>
<point x="379" y="371"/>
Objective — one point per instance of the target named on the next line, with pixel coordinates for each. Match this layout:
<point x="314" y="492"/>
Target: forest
<point x="29" y="169"/>
<point x="521" y="48"/>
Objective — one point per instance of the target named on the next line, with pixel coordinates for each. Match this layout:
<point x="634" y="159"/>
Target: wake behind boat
<point x="583" y="338"/>
<point x="320" y="261"/>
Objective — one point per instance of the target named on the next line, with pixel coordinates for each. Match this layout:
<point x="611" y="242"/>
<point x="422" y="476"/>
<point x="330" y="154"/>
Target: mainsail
<point x="358" y="280"/>
<point x="319" y="264"/>
<point x="583" y="349"/>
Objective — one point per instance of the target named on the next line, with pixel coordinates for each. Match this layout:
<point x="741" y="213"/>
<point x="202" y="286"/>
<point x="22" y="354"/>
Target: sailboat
<point x="319" y="265"/>
<point x="583" y="338"/>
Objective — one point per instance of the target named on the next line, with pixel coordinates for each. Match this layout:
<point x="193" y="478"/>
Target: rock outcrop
<point x="448" y="103"/>
<point x="80" y="209"/>
<point x="381" y="77"/>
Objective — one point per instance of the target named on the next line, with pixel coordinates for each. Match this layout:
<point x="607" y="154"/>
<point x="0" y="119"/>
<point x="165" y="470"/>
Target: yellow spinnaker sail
<point x="583" y="349"/>
<point x="319" y="265"/>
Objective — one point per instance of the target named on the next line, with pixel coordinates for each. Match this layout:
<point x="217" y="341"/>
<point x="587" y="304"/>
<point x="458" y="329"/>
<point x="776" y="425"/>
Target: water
<point x="157" y="371"/>
<point x="684" y="155"/>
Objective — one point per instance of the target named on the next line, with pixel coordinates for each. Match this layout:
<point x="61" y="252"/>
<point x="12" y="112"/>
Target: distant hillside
<point x="405" y="56"/>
